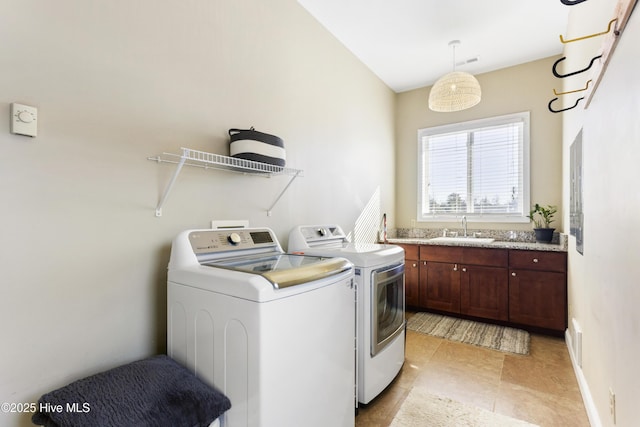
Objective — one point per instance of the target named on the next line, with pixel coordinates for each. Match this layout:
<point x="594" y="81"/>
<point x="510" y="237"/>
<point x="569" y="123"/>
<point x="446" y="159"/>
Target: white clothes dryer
<point x="379" y="275"/>
<point x="274" y="332"/>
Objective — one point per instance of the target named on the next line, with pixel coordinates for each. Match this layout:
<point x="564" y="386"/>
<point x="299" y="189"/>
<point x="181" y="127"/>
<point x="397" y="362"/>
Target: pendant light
<point x="454" y="91"/>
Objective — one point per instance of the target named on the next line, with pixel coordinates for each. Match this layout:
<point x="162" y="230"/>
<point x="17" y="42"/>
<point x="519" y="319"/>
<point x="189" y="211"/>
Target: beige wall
<point x="603" y="283"/>
<point x="83" y="258"/>
<point x="526" y="87"/>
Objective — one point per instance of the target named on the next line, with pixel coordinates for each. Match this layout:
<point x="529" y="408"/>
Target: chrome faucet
<point x="464" y="224"/>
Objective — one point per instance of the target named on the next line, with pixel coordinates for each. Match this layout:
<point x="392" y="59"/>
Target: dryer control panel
<point x="307" y="236"/>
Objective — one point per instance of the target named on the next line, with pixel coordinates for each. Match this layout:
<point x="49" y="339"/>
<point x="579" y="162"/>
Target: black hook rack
<point x="555" y="64"/>
<point x="571" y="3"/>
<point x="612" y="35"/>
<point x="564" y="109"/>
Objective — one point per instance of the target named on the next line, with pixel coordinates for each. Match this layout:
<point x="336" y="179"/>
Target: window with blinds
<point x="479" y="169"/>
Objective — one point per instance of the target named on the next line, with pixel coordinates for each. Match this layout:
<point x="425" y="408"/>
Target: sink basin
<point x="470" y="240"/>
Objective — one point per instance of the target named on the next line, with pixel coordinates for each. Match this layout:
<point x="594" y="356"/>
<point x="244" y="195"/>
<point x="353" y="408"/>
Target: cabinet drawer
<point x="410" y="251"/>
<point x="486" y="257"/>
<point x="451" y="254"/>
<point x="538" y="260"/>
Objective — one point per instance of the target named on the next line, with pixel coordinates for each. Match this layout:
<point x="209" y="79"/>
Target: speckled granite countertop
<point x="551" y="247"/>
<point x="503" y="239"/>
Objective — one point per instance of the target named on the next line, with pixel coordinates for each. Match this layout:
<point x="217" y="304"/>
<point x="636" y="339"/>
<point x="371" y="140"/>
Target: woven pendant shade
<point x="454" y="92"/>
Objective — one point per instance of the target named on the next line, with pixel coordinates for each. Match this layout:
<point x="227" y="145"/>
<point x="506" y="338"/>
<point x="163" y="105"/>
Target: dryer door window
<point x="387" y="306"/>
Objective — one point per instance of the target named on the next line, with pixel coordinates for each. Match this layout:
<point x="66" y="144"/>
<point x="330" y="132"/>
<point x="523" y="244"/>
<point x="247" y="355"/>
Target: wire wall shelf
<point x="201" y="159"/>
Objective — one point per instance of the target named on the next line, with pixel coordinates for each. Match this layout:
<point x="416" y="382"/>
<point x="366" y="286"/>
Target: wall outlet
<point x="576" y="341"/>
<point x="612" y="404"/>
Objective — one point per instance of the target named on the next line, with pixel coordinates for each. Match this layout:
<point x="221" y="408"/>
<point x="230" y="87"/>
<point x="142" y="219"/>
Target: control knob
<point x="234" y="238"/>
<point x="25" y="116"/>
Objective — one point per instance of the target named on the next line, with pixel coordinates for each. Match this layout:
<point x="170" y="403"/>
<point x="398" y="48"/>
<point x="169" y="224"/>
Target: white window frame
<point x="523" y="117"/>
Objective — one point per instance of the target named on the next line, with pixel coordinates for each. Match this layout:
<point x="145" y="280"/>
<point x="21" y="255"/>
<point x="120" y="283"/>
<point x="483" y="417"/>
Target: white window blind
<point x="478" y="169"/>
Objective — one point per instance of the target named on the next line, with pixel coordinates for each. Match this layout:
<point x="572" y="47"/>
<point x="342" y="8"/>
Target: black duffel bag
<point x="249" y="144"/>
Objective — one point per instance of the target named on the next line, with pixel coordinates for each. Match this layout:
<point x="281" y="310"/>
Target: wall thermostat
<point x="24" y="120"/>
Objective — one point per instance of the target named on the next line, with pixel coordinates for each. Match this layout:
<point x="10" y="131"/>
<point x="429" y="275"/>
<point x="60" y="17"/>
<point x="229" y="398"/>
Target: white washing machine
<point x="274" y="332"/>
<point x="379" y="275"/>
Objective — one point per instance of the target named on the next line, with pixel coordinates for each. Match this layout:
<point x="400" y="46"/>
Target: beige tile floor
<point x="539" y="388"/>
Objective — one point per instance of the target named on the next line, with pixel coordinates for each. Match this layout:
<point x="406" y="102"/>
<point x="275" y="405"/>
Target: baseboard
<point x="589" y="405"/>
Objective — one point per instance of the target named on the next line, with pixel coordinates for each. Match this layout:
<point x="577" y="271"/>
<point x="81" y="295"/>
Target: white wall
<point x="83" y="258"/>
<point x="603" y="283"/>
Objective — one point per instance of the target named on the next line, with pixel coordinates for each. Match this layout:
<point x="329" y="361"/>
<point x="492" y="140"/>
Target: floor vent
<point x="576" y="338"/>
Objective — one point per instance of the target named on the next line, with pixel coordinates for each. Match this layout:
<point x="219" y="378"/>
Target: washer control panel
<point x="215" y="241"/>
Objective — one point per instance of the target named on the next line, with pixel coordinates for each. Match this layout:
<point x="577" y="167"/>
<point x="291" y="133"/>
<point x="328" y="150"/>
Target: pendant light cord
<point x="454" y="56"/>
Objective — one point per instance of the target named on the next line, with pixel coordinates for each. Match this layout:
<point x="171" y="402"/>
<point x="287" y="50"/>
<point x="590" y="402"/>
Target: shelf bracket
<point x="282" y="192"/>
<point x="169" y="186"/>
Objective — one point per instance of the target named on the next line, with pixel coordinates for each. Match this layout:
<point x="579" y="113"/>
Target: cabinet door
<point x="412" y="283"/>
<point x="422" y="287"/>
<point x="484" y="292"/>
<point x="538" y="298"/>
<point x="443" y="286"/>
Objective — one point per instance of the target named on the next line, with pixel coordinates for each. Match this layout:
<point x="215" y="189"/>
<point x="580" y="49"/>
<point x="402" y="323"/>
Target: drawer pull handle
<point x="535" y="260"/>
<point x="464" y="269"/>
<point x="513" y="274"/>
<point x="455" y="267"/>
<point x="415" y="265"/>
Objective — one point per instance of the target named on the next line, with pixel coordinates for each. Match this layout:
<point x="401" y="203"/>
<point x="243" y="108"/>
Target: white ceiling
<point x="406" y="42"/>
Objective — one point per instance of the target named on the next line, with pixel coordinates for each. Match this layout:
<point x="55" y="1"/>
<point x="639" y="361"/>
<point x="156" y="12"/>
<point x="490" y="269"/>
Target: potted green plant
<point x="542" y="216"/>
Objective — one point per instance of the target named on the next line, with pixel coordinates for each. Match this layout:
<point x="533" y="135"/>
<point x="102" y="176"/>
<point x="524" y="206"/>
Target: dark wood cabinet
<point x="411" y="275"/>
<point x="538" y="289"/>
<point x="442" y="290"/>
<point x="538" y="260"/>
<point x="411" y="282"/>
<point x="484" y="292"/>
<point x="440" y="278"/>
<point x="422" y="284"/>
<point x="466" y="280"/>
<point x="520" y="287"/>
<point x="441" y="253"/>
